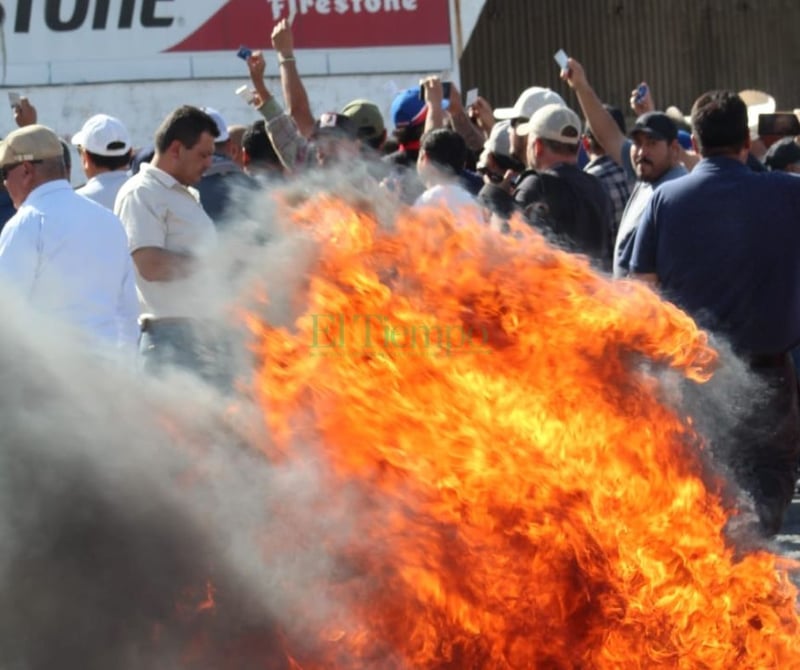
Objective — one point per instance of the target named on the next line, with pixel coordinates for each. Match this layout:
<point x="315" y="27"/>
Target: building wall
<point x="77" y="59"/>
<point x="681" y="48"/>
<point x="143" y="105"/>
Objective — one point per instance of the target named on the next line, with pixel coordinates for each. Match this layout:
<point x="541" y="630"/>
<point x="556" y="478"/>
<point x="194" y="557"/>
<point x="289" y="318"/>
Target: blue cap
<point x="408" y="109"/>
<point x="685" y="140"/>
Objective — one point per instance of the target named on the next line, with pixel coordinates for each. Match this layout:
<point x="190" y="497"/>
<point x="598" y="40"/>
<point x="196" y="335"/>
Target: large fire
<point x="530" y="493"/>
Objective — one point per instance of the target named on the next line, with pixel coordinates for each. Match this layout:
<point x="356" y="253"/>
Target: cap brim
<point x="78" y="139"/>
<point x="505" y="113"/>
<point x="523" y="128"/>
<point x="649" y="132"/>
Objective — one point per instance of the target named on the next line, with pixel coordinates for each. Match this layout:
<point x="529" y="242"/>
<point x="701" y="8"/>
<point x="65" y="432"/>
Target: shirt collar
<point x="46" y="189"/>
<point x="600" y="160"/>
<point x="168" y="181"/>
<point x="157" y="173"/>
<point x="111" y="175"/>
<point x="720" y="163"/>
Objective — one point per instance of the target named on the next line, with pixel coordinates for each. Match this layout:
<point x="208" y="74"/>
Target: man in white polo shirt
<point x="64" y="253"/>
<point x="105" y="148"/>
<point x="170" y="237"/>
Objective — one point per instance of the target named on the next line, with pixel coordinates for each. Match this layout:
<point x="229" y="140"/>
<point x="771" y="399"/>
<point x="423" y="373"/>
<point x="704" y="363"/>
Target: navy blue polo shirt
<point x="724" y="242"/>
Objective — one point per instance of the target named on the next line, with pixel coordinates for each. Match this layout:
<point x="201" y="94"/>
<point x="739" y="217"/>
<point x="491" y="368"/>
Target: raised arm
<point x="473" y="136"/>
<point x="25" y="113"/>
<point x="641" y="104"/>
<point x="294" y="93"/>
<point x="434" y="98"/>
<point x="604" y="128"/>
<point x="290" y="145"/>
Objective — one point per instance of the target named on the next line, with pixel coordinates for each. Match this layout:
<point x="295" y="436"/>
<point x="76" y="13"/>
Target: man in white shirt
<point x="63" y="252"/>
<point x="442" y="156"/>
<point x="105" y="148"/>
<point x="170" y="237"/>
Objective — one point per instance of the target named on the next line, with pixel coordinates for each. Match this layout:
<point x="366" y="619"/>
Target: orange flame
<point x="533" y="500"/>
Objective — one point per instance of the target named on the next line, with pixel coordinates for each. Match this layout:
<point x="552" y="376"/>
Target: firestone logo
<point x="294" y="7"/>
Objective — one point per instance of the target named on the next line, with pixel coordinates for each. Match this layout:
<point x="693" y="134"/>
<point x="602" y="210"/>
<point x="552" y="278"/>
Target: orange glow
<point x="532" y="499"/>
<point x="208" y="602"/>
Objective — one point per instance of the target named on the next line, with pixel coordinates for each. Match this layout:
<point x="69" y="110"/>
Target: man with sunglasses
<point x="496" y="160"/>
<point x="65" y="254"/>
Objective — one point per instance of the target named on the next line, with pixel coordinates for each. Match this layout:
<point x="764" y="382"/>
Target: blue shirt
<point x="7" y="209"/>
<point x="724" y="242"/>
<point x="640" y="196"/>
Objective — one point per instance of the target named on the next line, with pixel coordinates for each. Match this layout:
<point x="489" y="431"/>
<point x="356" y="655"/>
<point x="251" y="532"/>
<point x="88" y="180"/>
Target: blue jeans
<point x="189" y="345"/>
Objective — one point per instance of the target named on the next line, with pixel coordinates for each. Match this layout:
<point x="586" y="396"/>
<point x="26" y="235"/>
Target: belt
<point x="149" y="323"/>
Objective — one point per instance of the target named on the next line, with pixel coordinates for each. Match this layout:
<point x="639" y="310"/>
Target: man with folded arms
<point x="171" y="238"/>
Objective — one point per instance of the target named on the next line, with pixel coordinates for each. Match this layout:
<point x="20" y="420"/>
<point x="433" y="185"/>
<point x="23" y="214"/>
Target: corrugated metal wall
<point x="680" y="47"/>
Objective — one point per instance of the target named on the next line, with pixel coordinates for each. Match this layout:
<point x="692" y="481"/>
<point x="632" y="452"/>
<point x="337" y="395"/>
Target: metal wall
<point x="680" y="47"/>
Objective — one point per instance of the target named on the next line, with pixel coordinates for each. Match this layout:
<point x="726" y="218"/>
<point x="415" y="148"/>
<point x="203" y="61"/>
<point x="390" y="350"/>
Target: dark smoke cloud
<point x="121" y="499"/>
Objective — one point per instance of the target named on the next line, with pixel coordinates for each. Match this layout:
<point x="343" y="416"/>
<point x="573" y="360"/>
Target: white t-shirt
<point x="158" y="211"/>
<point x="455" y="198"/>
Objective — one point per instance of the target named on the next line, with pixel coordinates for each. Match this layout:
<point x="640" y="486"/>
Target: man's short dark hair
<point x="185" y="124"/>
<point x="619" y="118"/>
<point x="66" y="155"/>
<point x="258" y="146"/>
<point x="409" y="134"/>
<point x="110" y="162"/>
<point x="446" y="148"/>
<point x="719" y="122"/>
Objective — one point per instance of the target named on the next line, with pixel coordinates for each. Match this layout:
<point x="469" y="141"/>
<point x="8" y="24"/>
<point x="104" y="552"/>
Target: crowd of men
<point x="700" y="207"/>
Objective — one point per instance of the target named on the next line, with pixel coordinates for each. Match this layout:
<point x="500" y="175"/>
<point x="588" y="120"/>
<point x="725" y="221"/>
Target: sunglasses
<point x="494" y="177"/>
<point x="6" y="170"/>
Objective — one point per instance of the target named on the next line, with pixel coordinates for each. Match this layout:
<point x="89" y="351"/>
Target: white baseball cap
<point x="499" y="143"/>
<point x="757" y="103"/>
<point x="222" y="126"/>
<point x="103" y="135"/>
<point x="553" y="122"/>
<point x="529" y="101"/>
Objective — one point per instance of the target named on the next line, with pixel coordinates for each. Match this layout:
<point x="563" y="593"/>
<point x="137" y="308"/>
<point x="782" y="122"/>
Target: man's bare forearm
<point x="294" y="93"/>
<point x="157" y="264"/>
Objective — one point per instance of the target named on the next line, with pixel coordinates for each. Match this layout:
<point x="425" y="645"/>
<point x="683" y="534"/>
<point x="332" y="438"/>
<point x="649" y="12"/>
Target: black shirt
<point x="571" y="207"/>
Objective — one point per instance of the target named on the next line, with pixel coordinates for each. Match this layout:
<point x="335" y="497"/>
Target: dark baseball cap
<point x="782" y="154"/>
<point x="657" y="125"/>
